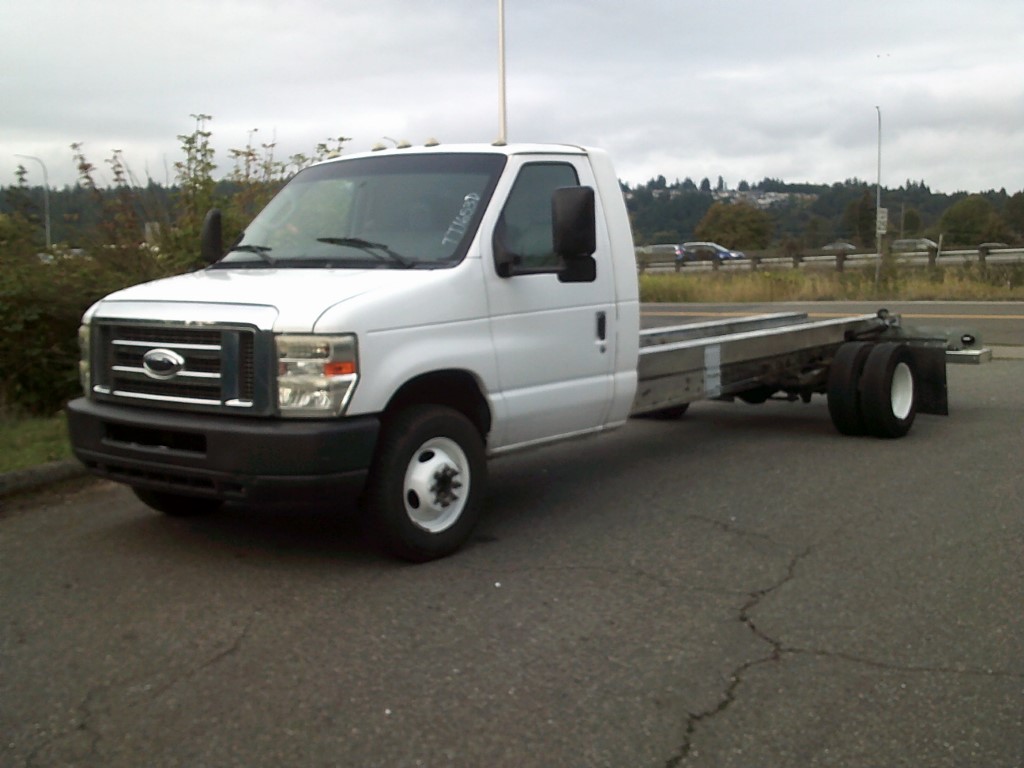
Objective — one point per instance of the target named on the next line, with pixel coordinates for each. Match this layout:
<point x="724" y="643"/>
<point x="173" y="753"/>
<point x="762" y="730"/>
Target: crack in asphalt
<point x="215" y="659"/>
<point x="85" y="708"/>
<point x="728" y="527"/>
<point x="736" y="677"/>
<point x="80" y="724"/>
<point x="908" y="668"/>
<point x="779" y="649"/>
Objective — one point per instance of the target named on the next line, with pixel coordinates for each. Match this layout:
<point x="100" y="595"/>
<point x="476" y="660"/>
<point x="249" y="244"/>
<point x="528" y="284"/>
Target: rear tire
<point x="177" y="505"/>
<point x="756" y="396"/>
<point x="843" y="387"/>
<point x="889" y="391"/>
<point x="427" y="483"/>
<point x="666" y="414"/>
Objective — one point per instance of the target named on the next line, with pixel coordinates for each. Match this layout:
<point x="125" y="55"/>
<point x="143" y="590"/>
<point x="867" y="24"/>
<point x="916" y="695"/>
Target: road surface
<point x="743" y="587"/>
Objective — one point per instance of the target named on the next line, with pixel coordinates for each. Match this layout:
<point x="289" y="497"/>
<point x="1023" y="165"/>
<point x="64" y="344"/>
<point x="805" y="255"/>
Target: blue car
<point x="706" y="252"/>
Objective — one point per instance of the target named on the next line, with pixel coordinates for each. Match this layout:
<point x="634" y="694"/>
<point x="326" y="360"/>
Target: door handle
<point x="602" y="325"/>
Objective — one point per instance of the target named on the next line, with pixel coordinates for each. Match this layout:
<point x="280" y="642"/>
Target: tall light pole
<point x="502" y="118"/>
<point x="878" y="189"/>
<point x="46" y="195"/>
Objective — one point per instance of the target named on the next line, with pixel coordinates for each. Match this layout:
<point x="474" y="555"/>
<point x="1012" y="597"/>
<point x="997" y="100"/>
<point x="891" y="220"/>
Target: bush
<point x="41" y="305"/>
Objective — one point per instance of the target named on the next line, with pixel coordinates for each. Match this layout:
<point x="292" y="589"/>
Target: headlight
<point x="83" y="358"/>
<point x="316" y="375"/>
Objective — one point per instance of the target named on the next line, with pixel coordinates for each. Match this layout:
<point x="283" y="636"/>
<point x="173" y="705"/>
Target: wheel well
<point x="456" y="389"/>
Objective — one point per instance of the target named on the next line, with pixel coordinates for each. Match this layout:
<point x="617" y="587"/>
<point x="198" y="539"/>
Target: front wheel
<point x="175" y="504"/>
<point x="427" y="482"/>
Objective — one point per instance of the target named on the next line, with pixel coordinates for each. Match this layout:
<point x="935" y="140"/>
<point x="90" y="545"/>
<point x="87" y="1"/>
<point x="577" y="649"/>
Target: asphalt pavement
<point x="743" y="587"/>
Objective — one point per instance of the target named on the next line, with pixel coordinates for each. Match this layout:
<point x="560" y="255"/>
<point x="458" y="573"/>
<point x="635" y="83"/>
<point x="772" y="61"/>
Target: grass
<point x="27" y="442"/>
<point x="962" y="283"/>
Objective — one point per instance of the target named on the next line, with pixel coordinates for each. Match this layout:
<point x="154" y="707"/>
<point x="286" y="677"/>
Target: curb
<point x="33" y="478"/>
<point x="1007" y="353"/>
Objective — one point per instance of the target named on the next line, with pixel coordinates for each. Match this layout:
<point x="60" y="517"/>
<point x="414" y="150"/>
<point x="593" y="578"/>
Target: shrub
<point x="41" y="305"/>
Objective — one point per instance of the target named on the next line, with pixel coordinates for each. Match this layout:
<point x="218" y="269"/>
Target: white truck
<point x="392" y="319"/>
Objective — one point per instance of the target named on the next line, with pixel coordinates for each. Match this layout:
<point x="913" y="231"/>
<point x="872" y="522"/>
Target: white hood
<point x="297" y="296"/>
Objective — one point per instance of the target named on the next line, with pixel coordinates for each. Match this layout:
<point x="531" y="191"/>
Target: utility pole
<point x="879" y="229"/>
<point x="502" y="116"/>
<point x="46" y="195"/>
<point x="878" y="204"/>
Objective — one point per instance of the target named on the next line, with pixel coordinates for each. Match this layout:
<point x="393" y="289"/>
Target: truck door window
<point x="522" y="239"/>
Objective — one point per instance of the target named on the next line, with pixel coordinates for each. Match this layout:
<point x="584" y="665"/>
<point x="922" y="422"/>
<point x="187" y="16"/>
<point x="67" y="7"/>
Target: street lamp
<point x="878" y="188"/>
<point x="46" y="195"/>
<point x="502" y="101"/>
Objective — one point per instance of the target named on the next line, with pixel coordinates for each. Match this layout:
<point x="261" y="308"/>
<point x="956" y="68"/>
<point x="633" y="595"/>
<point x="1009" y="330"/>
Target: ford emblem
<point x="162" y="363"/>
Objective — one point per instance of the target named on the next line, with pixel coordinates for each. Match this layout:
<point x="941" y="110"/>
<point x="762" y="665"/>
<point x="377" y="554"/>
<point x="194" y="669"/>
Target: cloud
<point x="736" y="88"/>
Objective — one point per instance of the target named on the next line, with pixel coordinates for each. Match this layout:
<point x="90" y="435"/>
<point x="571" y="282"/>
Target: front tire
<point x="175" y="504"/>
<point x="427" y="483"/>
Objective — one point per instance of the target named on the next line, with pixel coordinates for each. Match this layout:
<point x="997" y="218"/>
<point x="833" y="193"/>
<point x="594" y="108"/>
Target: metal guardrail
<point x="654" y="259"/>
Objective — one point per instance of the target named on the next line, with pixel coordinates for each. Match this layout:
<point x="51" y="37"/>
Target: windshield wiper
<point x="260" y="250"/>
<point x="379" y="250"/>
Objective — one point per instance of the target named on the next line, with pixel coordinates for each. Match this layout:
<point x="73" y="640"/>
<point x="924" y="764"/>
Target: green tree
<point x="1014" y="215"/>
<point x="19" y="198"/>
<point x="859" y="219"/>
<point x="973" y="220"/>
<point x="817" y="232"/>
<point x="912" y="221"/>
<point x="736" y="225"/>
<point x="17" y="243"/>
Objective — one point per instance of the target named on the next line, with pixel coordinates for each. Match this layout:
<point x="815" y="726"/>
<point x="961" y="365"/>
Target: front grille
<point x="213" y="368"/>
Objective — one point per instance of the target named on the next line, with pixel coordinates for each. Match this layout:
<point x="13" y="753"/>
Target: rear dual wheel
<point x="871" y="389"/>
<point x="843" y="387"/>
<point x="888" y="391"/>
<point x="666" y="414"/>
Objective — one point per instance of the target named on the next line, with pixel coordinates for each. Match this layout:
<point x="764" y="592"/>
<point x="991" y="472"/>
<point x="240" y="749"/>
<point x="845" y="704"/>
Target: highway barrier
<point x="660" y="258"/>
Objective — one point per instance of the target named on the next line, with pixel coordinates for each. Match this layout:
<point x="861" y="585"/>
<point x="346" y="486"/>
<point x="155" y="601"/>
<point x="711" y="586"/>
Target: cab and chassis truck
<point x="393" y="319"/>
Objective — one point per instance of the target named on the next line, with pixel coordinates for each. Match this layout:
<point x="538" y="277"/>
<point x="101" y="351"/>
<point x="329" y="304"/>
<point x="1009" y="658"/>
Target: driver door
<point x="554" y="339"/>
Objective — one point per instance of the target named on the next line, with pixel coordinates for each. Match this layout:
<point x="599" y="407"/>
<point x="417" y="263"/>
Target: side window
<point x="523" y="238"/>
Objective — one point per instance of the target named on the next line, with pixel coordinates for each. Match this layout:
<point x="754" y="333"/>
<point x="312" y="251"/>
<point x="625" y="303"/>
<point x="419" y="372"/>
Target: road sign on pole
<point x="882" y="222"/>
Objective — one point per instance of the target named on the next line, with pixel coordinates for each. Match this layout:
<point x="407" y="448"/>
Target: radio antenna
<point x="502" y="116"/>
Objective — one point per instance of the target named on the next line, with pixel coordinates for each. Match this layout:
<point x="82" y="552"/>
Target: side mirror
<point x="574" y="227"/>
<point x="211" y="246"/>
<point x="574" y="233"/>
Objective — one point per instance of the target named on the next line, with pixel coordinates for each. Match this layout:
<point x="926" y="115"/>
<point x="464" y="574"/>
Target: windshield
<point x="393" y="211"/>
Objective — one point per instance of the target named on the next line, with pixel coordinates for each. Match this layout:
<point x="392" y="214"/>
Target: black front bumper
<point x="225" y="457"/>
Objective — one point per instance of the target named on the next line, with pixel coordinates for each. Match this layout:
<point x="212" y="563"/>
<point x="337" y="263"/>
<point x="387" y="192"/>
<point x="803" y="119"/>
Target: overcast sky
<point x="739" y="88"/>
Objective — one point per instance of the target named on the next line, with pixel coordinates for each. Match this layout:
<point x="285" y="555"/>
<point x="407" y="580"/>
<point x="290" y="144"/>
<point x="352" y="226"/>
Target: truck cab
<point x="387" y="322"/>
